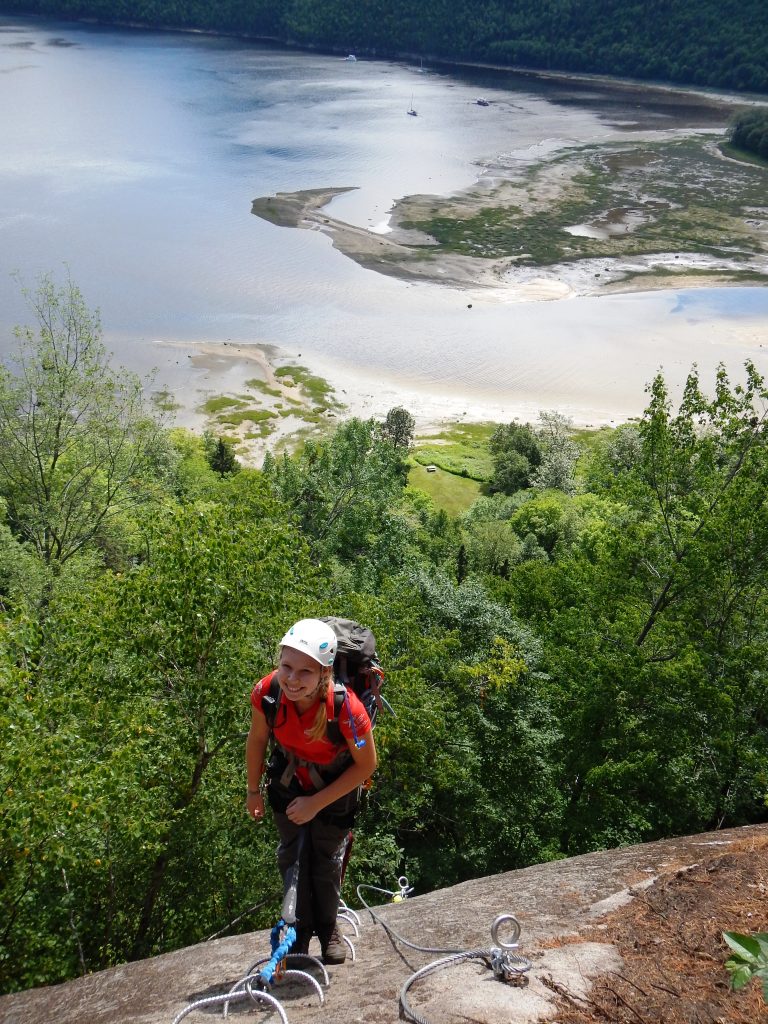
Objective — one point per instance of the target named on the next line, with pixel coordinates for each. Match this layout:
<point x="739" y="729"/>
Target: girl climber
<point x="313" y="779"/>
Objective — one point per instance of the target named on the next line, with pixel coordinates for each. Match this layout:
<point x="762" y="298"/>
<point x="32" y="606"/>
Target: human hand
<point x="301" y="810"/>
<point x="255" y="806"/>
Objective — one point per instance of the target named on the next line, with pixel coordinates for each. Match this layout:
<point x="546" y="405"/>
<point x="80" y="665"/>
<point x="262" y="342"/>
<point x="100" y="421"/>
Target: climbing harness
<point x="506" y="965"/>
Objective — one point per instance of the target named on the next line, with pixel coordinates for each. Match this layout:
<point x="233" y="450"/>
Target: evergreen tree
<point x="222" y="458"/>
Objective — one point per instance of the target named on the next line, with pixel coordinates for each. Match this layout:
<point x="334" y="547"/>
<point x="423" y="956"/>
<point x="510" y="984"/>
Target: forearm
<point x="255" y="748"/>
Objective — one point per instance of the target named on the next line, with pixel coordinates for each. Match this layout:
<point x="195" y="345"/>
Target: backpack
<point x="356" y="667"/>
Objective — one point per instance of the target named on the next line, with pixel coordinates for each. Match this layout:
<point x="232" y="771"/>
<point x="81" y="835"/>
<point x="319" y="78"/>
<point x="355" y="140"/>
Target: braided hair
<point x="317" y="732"/>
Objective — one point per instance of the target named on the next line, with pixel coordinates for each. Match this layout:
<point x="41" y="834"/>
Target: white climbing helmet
<point x="312" y="637"/>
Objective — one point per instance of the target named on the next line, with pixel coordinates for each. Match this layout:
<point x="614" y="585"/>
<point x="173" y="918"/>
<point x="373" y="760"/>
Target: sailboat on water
<point x="412" y="112"/>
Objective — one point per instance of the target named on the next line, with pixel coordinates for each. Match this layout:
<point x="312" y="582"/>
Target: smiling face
<point x="298" y="675"/>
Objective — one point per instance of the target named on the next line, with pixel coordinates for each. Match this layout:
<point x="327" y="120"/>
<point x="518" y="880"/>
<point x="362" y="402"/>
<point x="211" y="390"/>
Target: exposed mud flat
<point x="666" y="211"/>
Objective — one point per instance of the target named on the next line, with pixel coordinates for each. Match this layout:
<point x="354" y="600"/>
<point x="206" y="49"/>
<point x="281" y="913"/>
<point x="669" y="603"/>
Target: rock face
<point x="550" y="900"/>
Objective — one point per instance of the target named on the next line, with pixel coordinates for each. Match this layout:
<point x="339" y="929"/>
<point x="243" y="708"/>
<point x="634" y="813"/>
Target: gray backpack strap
<point x="317" y="780"/>
<point x="290" y="768"/>
<point x="293" y="762"/>
<point x="270" y="701"/>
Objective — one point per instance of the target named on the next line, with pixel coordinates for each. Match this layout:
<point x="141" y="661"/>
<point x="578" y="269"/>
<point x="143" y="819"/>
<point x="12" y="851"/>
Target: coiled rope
<point x="505" y="964"/>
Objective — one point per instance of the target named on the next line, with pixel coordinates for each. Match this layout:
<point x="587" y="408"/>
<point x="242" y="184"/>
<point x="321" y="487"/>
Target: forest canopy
<point x="716" y="43"/>
<point x="578" y="661"/>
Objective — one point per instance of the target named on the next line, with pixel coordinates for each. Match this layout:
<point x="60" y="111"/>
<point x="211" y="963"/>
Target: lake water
<point x="133" y="157"/>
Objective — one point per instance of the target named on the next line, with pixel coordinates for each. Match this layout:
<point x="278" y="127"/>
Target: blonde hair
<point x="317" y="732"/>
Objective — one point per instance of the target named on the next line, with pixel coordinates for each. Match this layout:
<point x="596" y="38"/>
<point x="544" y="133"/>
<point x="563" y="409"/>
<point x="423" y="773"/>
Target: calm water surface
<point x="133" y="158"/>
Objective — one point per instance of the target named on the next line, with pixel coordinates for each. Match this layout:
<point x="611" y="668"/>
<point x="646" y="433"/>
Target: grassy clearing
<point x="453" y="493"/>
<point x="460" y="449"/>
<point x="466" y="445"/>
<point x="221" y="402"/>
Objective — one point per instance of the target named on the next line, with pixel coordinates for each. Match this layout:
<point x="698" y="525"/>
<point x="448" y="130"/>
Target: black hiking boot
<point x="303" y="937"/>
<point x="333" y="946"/>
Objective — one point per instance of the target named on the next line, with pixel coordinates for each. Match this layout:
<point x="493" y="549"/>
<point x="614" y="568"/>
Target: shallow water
<point x="133" y="158"/>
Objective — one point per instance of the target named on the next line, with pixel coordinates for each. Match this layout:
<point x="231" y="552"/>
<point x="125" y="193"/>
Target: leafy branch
<point x="749" y="960"/>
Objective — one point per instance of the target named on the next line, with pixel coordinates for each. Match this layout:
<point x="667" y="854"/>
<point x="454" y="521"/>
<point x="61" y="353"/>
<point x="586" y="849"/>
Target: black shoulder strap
<point x="270" y="701"/>
<point x="332" y="730"/>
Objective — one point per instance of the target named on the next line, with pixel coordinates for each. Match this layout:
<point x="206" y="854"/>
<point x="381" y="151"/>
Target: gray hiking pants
<point x="320" y="877"/>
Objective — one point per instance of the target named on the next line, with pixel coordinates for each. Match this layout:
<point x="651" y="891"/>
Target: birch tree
<point x="77" y="445"/>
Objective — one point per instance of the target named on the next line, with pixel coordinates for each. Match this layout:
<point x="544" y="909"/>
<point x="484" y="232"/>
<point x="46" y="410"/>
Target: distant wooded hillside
<point x="716" y="43"/>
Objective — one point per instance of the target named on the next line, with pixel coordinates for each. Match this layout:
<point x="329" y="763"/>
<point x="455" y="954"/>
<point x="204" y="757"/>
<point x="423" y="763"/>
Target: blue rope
<point x="280" y="951"/>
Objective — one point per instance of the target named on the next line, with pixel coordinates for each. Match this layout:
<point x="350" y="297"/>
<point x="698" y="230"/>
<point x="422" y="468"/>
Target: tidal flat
<point x="664" y="212"/>
<point x="273" y="403"/>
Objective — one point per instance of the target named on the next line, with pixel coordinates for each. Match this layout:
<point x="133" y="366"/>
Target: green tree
<point x="657" y="631"/>
<point x="461" y="676"/>
<point x="614" y="454"/>
<point x="221" y="457"/>
<point x="398" y="428"/>
<point x="516" y="455"/>
<point x="706" y="43"/>
<point x="341" y="488"/>
<point x="78" y="450"/>
<point x="559" y="454"/>
<point x="123" y="830"/>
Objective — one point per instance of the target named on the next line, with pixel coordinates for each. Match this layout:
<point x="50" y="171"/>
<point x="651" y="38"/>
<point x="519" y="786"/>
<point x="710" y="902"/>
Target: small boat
<point x="412" y="112"/>
<point x="481" y="101"/>
<point x="351" y="57"/>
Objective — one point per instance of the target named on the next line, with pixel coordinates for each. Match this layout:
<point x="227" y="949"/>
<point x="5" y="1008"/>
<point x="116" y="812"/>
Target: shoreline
<point x="728" y="97"/>
<point x="353" y="393"/>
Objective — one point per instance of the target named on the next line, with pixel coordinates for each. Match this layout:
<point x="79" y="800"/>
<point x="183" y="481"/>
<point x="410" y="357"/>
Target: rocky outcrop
<point x="552" y="901"/>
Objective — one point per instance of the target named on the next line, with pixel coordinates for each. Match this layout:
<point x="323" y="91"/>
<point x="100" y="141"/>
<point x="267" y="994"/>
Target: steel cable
<point x="402" y="892"/>
<point x="505" y="964"/>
